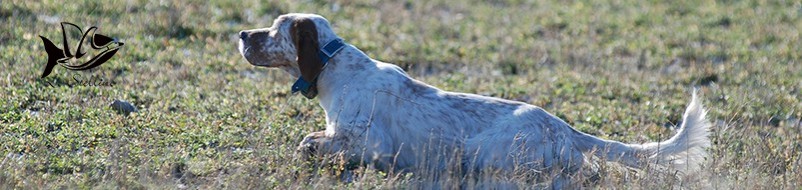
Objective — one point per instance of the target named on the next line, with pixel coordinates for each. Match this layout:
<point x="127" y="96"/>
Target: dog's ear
<point x="304" y="36"/>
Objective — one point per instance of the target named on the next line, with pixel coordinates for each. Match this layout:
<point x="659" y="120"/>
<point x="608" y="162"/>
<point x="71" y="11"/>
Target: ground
<point x="618" y="69"/>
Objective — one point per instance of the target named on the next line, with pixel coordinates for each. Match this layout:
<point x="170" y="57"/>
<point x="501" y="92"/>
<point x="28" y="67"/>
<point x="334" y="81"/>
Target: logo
<point x="71" y="58"/>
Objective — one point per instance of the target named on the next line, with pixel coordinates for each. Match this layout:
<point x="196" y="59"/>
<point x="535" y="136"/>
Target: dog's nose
<point x="243" y="35"/>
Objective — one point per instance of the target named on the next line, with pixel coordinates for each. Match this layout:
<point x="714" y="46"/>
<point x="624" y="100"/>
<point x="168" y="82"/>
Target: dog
<point x="378" y="115"/>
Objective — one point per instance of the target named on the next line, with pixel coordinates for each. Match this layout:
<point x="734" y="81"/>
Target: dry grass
<point x="621" y="70"/>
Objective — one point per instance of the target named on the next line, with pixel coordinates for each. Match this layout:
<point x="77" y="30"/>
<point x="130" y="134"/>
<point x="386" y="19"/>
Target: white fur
<point x="377" y="114"/>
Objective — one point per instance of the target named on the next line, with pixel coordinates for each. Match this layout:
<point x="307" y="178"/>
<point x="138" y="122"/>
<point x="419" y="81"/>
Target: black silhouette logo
<point x="71" y="58"/>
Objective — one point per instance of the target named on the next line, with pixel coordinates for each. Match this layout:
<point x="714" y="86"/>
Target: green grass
<point x="622" y="70"/>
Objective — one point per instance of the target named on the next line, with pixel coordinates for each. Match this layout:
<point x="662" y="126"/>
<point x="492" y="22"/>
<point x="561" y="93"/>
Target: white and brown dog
<point x="376" y="114"/>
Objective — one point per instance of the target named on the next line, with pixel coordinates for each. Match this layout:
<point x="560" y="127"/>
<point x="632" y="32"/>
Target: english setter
<point x="377" y="115"/>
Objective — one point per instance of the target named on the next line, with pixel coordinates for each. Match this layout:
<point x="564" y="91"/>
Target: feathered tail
<point x="683" y="152"/>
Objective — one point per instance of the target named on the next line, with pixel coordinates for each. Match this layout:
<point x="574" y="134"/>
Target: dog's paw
<point x="312" y="144"/>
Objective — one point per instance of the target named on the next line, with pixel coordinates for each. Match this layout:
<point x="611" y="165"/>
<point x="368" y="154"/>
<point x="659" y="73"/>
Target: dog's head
<point x="291" y="44"/>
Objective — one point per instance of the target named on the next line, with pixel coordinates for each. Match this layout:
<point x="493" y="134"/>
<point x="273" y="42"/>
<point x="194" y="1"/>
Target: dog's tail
<point x="683" y="152"/>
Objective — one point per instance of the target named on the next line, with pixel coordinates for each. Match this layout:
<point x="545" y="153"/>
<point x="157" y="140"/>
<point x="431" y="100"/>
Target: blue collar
<point x="308" y="88"/>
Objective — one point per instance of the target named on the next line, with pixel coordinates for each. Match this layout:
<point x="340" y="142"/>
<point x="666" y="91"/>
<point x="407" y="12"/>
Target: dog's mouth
<point x="242" y="49"/>
<point x="246" y="52"/>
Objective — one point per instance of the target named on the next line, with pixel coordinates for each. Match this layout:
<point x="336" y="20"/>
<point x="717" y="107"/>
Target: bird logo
<point x="71" y="58"/>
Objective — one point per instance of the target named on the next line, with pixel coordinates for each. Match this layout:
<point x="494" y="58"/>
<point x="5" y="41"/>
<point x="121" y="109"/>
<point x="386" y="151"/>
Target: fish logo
<point x="68" y="58"/>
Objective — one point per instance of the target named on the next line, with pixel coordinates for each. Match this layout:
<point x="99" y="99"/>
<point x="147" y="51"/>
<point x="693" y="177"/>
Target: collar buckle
<point x="309" y="88"/>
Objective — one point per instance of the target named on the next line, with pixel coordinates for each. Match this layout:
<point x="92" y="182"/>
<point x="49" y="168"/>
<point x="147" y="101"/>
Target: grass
<point x="622" y="70"/>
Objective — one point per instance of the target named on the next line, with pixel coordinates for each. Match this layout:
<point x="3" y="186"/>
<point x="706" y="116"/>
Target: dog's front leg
<point x="345" y="147"/>
<point x="318" y="145"/>
<point x="313" y="145"/>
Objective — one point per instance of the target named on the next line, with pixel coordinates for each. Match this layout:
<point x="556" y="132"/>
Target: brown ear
<point x="304" y="35"/>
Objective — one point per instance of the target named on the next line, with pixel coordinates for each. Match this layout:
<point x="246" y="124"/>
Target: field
<point x="619" y="69"/>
